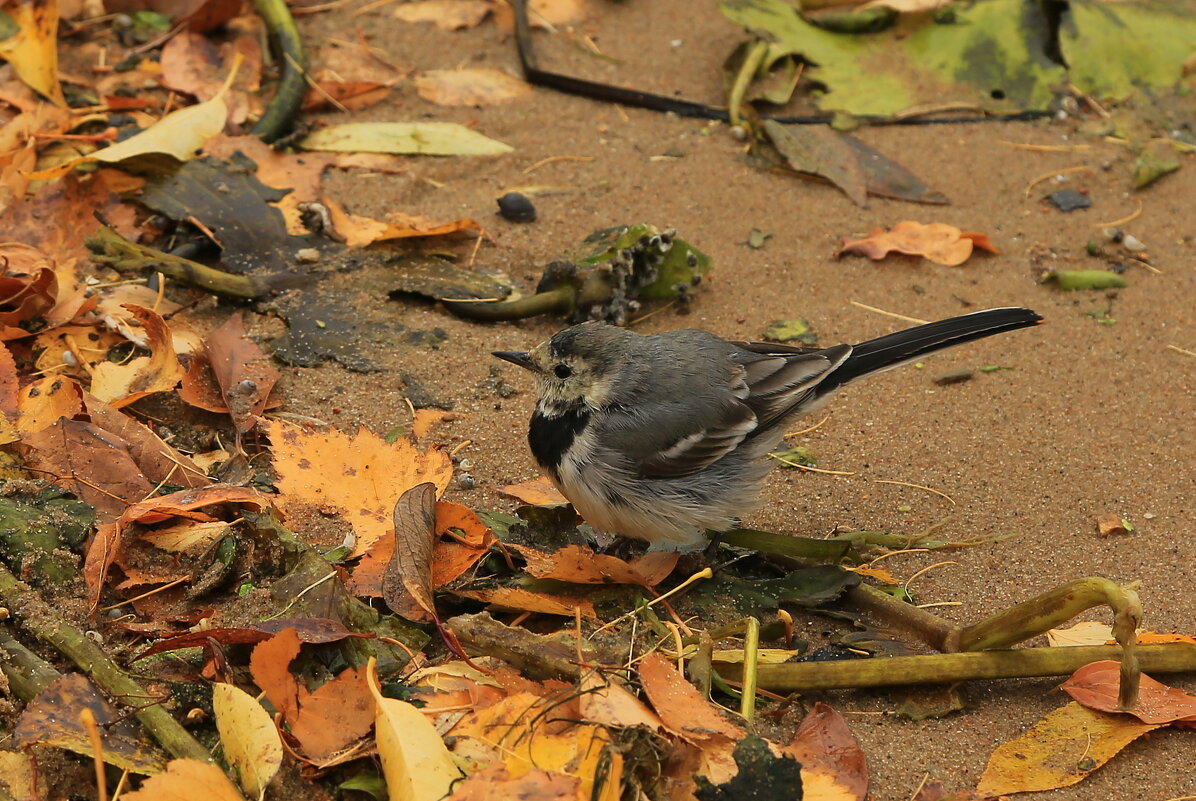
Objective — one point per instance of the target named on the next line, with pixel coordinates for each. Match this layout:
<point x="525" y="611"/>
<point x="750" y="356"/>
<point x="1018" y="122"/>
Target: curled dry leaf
<point x="679" y="704"/>
<point x="938" y="242"/>
<point x="33" y="48"/>
<point x="470" y="87"/>
<point x="521" y="600"/>
<point x="409" y="572"/>
<point x="539" y="491"/>
<point x="121" y="384"/>
<point x="357" y="231"/>
<point x="242" y="371"/>
<point x="448" y="15"/>
<point x="580" y="565"/>
<point x="251" y="742"/>
<point x="832" y="762"/>
<point x="1096" y="686"/>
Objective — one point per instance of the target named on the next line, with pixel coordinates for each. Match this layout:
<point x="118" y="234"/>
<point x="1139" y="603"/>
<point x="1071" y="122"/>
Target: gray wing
<point x="767" y="383"/>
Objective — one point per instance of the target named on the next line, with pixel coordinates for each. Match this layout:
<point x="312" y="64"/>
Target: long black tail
<point x="898" y="348"/>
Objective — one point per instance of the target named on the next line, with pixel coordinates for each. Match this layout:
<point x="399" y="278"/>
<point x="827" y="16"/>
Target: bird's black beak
<point x="521" y="358"/>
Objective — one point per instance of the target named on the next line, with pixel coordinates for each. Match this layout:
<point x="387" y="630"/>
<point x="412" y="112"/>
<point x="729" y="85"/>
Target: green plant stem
<point x="785" y="545"/>
<point x="27" y="673"/>
<point x="947" y="668"/>
<point x="743" y="79"/>
<point x="288" y="98"/>
<point x="72" y="643"/>
<point x="557" y="300"/>
<point x="926" y="626"/>
<point x="751" y="664"/>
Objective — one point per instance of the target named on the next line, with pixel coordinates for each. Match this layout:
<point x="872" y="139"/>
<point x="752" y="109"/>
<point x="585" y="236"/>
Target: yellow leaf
<point x="250" y="740"/>
<point x="121" y="384"/>
<point x="16" y="776"/>
<point x="361" y="474"/>
<point x="179" y="134"/>
<point x="187" y="780"/>
<point x="33" y="50"/>
<point x="1061" y="749"/>
<point x="415" y="762"/>
<point x="1088" y="633"/>
<point x="470" y="87"/>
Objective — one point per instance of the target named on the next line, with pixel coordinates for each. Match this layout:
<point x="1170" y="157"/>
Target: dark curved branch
<point x="280" y="114"/>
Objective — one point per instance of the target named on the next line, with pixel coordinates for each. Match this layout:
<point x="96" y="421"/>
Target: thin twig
<point x="553" y="160"/>
<point x="894" y="315"/>
<point x="1046" y="176"/>
<point x="916" y="486"/>
<point x="1115" y="223"/>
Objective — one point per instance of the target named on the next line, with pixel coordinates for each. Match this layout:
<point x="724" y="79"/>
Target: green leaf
<point x="796" y="456"/>
<point x="796" y="329"/>
<point x="426" y="138"/>
<point x="1084" y="279"/>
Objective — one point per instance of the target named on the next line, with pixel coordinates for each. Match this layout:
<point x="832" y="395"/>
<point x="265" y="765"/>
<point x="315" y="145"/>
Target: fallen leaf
<point x="938" y="242"/>
<point x="426" y="418"/>
<point x="51" y="718"/>
<point x="44" y="401"/>
<point x="121" y="384"/>
<point x="357" y="231"/>
<point x="18" y="777"/>
<point x="269" y="664"/>
<point x="251" y="743"/>
<point x="539" y="491"/>
<point x="243" y="372"/>
<point x="545" y="14"/>
<point x="818" y="150"/>
<point x="521" y="600"/>
<point x="344" y="95"/>
<point x="360" y="474"/>
<point x="1060" y="750"/>
<point x="609" y="703"/>
<point x="448" y="15"/>
<point x="33" y="49"/>
<point x="495" y="783"/>
<point x="761" y="774"/>
<point x="679" y="704"/>
<point x="409" y="572"/>
<point x="335" y="715"/>
<point x="1085" y="633"/>
<point x="830" y="757"/>
<point x="470" y="87"/>
<point x="405" y="138"/>
<point x="160" y="463"/>
<point x="415" y="762"/>
<point x="187" y="780"/>
<point x="1096" y="686"/>
<point x="580" y="565"/>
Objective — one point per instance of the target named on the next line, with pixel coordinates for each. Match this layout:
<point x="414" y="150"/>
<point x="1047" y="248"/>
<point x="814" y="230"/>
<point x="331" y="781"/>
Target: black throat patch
<point x="550" y="437"/>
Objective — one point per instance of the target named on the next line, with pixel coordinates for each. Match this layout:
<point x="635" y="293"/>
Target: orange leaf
<point x="470" y="87"/>
<point x="495" y="783"/>
<point x="448" y="15"/>
<point x="1096" y="686"/>
<point x="242" y="371"/>
<point x="187" y="780"/>
<point x="611" y="704"/>
<point x="539" y="491"/>
<point x="581" y="565"/>
<point x="680" y="705"/>
<point x="521" y="600"/>
<point x="1060" y="750"/>
<point x="45" y="401"/>
<point x="269" y="663"/>
<point x="828" y="753"/>
<point x="335" y="715"/>
<point x="426" y="418"/>
<point x="357" y="231"/>
<point x="121" y="384"/>
<point x="362" y="475"/>
<point x="938" y="242"/>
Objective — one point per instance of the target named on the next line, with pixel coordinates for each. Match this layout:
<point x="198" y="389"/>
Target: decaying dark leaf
<point x="409" y="572"/>
<point x="818" y="150"/>
<point x="762" y="776"/>
<point x="436" y="278"/>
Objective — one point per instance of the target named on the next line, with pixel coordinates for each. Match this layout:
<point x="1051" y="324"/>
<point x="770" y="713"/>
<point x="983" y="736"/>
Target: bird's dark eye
<point x="562" y="371"/>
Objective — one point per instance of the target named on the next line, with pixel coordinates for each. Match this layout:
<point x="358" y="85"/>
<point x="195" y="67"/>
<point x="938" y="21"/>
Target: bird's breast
<point x="551" y="437"/>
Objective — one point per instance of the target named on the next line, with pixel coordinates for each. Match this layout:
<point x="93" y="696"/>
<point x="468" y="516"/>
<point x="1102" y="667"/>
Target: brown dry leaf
<point x="470" y="87"/>
<point x="121" y="384"/>
<point x="97" y="467"/>
<point x="525" y="733"/>
<point x="1110" y="523"/>
<point x="680" y="705"/>
<point x="520" y="600"/>
<point x="349" y="95"/>
<point x="242" y="371"/>
<point x="200" y="15"/>
<point x="192" y="64"/>
<point x="160" y="463"/>
<point x="9" y="396"/>
<point x="448" y="15"/>
<point x="357" y="231"/>
<point x="580" y="565"/>
<point x="938" y="242"/>
<point x="1060" y="750"/>
<point x="73" y="203"/>
<point x="51" y="718"/>
<point x="298" y="173"/>
<point x="18" y="777"/>
<point x="187" y="780"/>
<point x="409" y="572"/>
<point x="539" y="491"/>
<point x="26" y="297"/>
<point x="360" y="474"/>
<point x="832" y="763"/>
<point x="1096" y="686"/>
<point x="45" y="401"/>
<point x="33" y="49"/>
<point x="335" y="715"/>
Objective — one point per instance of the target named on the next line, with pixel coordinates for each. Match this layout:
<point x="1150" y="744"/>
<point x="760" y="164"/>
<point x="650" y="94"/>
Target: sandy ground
<point x="1094" y="418"/>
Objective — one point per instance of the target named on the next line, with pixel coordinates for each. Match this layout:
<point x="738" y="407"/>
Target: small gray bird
<point x="663" y="437"/>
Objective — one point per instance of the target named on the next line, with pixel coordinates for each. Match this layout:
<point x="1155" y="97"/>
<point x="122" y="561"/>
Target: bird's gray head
<point x="577" y="366"/>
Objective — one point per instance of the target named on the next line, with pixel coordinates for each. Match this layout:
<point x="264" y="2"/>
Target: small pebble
<point x="307" y="255"/>
<point x="1069" y="200"/>
<point x="465" y="481"/>
<point x="1133" y="244"/>
<point x="516" y="208"/>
